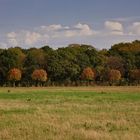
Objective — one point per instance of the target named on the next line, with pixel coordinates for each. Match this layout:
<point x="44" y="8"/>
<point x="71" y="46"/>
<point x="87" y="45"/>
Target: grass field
<point x="70" y="113"/>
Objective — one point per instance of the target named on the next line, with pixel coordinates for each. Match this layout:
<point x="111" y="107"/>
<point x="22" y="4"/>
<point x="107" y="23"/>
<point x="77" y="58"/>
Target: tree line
<point x="74" y="65"/>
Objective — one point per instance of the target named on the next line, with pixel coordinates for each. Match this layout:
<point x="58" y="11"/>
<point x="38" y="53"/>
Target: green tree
<point x="135" y="75"/>
<point x="35" y="59"/>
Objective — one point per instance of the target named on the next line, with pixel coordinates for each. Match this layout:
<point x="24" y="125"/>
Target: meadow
<point x="70" y="113"/>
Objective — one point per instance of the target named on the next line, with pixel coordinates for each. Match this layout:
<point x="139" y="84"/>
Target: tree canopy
<point x="69" y="64"/>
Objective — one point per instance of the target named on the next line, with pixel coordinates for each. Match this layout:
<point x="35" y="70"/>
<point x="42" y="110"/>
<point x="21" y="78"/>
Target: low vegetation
<point x="82" y="113"/>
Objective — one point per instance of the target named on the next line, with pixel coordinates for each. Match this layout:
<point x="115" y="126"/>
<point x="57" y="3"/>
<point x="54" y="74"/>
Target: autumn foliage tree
<point x="88" y="74"/>
<point x="39" y="75"/>
<point x="14" y="75"/>
<point x="114" y="76"/>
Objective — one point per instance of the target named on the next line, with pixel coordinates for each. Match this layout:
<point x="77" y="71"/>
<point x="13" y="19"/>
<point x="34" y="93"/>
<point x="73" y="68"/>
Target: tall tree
<point x="39" y="75"/>
<point x="14" y="75"/>
<point x="135" y="75"/>
<point x="114" y="76"/>
<point x="88" y="74"/>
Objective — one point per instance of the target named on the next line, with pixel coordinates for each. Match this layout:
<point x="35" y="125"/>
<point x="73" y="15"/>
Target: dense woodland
<point x="74" y="65"/>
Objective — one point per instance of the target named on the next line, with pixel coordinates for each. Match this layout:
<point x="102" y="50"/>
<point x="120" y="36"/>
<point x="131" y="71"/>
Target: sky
<point x="57" y="23"/>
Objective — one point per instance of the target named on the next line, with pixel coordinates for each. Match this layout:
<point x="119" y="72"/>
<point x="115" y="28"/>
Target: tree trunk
<point x="14" y="84"/>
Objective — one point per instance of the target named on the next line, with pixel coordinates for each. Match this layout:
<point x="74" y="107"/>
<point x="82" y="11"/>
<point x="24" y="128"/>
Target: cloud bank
<point x="57" y="33"/>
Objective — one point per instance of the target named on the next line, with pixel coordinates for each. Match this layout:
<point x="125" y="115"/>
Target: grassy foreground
<point x="83" y="113"/>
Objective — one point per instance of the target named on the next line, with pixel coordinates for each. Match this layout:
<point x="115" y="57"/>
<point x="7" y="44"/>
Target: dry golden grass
<point x="72" y="113"/>
<point x="82" y="88"/>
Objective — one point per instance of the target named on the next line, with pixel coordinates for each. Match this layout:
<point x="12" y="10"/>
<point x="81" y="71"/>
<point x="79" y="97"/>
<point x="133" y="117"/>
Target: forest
<point x="74" y="65"/>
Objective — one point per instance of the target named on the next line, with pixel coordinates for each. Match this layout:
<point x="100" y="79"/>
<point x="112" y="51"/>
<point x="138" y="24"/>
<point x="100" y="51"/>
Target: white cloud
<point x="114" y="28"/>
<point x="116" y="33"/>
<point x="24" y="37"/>
<point x="52" y="27"/>
<point x="135" y="29"/>
<point x="12" y="42"/>
<point x="31" y="37"/>
<point x="85" y="30"/>
<point x="78" y="30"/>
<point x="11" y="35"/>
<point x="61" y="31"/>
<point x="3" y="45"/>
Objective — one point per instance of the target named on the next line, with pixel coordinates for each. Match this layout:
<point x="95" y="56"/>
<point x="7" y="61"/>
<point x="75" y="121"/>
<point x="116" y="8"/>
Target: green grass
<point x="83" y="113"/>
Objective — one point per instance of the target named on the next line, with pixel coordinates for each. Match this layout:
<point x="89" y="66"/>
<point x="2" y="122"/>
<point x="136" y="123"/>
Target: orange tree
<point x="88" y="74"/>
<point x="114" y="76"/>
<point x="39" y="76"/>
<point x="14" y="75"/>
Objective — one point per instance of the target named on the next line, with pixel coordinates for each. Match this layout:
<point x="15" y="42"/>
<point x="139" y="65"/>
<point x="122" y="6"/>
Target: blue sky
<point x="101" y="23"/>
